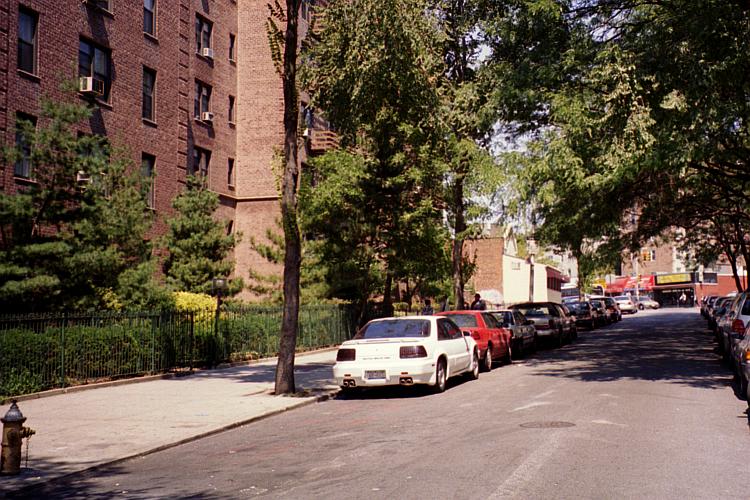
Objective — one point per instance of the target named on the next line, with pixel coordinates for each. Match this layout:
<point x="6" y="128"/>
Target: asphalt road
<point x="640" y="409"/>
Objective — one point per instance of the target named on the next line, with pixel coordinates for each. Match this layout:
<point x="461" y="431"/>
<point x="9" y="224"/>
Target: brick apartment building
<point x="188" y="86"/>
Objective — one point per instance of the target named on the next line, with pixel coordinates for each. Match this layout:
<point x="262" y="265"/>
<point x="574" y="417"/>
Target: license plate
<point x="374" y="374"/>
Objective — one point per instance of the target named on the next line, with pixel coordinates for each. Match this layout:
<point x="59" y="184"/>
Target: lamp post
<point x="532" y="249"/>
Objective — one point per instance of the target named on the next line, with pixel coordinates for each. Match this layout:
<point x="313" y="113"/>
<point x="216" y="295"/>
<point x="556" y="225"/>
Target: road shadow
<point x="100" y="483"/>
<point x="308" y="375"/>
<point x="666" y="346"/>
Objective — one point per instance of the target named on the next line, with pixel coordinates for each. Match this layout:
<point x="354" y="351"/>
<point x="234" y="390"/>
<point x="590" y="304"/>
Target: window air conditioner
<point x="207" y="116"/>
<point x="90" y="85"/>
<point x="82" y="177"/>
<point x="207" y="52"/>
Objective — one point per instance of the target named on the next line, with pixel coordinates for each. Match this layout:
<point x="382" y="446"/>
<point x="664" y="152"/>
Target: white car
<point x="406" y="351"/>
<point x="626" y="304"/>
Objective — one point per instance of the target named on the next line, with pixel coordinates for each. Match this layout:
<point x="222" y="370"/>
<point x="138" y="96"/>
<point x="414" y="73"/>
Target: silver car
<point x="523" y="332"/>
<point x="626" y="304"/>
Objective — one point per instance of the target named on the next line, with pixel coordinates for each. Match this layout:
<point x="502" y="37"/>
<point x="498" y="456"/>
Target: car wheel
<point x="440" y="376"/>
<point x="474" y="373"/>
<point x="487" y="361"/>
<point x="509" y="356"/>
<point x="640" y="307"/>
<point x="558" y="340"/>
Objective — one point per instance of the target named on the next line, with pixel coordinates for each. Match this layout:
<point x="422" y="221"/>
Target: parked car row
<point x="729" y="320"/>
<point x="431" y="349"/>
<point x="594" y="312"/>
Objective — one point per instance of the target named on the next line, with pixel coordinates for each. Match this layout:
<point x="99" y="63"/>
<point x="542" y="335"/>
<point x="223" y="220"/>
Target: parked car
<point x="717" y="309"/>
<point x="551" y="320"/>
<point x="613" y="309"/>
<point x="741" y="361"/>
<point x="406" y="351"/>
<point x="705" y="304"/>
<point x="584" y="313"/>
<point x="493" y="341"/>
<point x="602" y="317"/>
<point x="646" y="302"/>
<point x="523" y="339"/>
<point x="626" y="304"/>
<point x="734" y="324"/>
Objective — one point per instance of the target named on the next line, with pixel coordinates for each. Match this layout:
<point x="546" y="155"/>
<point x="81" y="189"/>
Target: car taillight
<point x="747" y="356"/>
<point x="738" y="326"/>
<point x="345" y="355"/>
<point x="412" y="351"/>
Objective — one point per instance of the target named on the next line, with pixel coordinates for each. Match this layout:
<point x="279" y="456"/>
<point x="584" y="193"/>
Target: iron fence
<point x="45" y="351"/>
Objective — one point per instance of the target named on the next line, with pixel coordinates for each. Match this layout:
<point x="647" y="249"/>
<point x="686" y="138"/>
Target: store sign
<point x="671" y="279"/>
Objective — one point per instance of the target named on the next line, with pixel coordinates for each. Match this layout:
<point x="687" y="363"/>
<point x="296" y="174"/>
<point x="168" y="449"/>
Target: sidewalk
<point x="80" y="430"/>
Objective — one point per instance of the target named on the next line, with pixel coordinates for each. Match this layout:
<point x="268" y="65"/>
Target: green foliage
<point x="64" y="240"/>
<point x="198" y="244"/>
<point x="376" y="209"/>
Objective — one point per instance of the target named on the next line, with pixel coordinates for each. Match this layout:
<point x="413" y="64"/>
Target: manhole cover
<point x="551" y="424"/>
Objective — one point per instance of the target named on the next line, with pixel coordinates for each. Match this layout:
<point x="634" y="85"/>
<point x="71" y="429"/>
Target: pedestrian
<point x="478" y="304"/>
<point x="682" y="299"/>
<point x="427" y="310"/>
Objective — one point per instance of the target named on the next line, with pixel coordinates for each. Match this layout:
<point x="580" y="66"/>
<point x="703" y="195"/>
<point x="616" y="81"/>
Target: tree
<point x="289" y="184"/>
<point x="198" y="244"/>
<point x="377" y="84"/>
<point x="68" y="236"/>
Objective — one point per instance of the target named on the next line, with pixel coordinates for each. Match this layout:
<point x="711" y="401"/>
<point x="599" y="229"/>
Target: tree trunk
<point x="292" y="240"/>
<point x="457" y="253"/>
<point x="387" y="300"/>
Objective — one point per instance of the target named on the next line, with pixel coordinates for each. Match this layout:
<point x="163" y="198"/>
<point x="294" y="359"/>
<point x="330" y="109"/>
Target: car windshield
<point x="464" y="320"/>
<point x="579" y="306"/>
<point x="535" y="311"/>
<point x="395" y="329"/>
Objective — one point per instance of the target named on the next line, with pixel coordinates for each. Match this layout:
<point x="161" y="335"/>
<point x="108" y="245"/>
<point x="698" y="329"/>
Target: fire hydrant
<point x="13" y="435"/>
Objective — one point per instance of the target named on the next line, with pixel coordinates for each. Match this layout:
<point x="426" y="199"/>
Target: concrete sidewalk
<point x="81" y="430"/>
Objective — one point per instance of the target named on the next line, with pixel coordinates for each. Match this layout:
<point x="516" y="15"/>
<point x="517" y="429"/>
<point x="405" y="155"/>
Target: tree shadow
<point x="98" y="483"/>
<point x="666" y="347"/>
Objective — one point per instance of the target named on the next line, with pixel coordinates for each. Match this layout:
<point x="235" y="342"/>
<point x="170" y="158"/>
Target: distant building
<point x="503" y="278"/>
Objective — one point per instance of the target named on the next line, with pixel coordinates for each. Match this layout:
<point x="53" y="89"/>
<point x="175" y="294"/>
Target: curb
<point x="28" y="489"/>
<point x="148" y="378"/>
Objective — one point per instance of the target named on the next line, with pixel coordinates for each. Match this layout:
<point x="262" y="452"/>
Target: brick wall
<point x="251" y="141"/>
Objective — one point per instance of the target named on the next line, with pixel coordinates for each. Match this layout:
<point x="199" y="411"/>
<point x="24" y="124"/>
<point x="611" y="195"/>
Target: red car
<point x="492" y="339"/>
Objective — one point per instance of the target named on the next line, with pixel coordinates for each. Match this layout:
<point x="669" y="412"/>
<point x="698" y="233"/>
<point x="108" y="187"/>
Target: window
<point x="230" y="172"/>
<point x="149" y="17"/>
<point x="202" y="99"/>
<point x="230" y="227"/>
<point x="231" y="109"/>
<point x="25" y="125"/>
<point x="27" y="26"/>
<point x="148" y="163"/>
<point x="94" y="60"/>
<point x="149" y="82"/>
<point x="202" y="33"/>
<point x="201" y="159"/>
<point x="232" y="42"/>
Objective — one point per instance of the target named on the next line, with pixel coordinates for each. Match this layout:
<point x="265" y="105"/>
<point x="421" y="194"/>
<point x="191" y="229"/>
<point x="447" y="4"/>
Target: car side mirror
<point x="467" y="334"/>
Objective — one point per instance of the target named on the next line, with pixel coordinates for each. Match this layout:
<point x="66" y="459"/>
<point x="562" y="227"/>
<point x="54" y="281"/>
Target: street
<point x="639" y="409"/>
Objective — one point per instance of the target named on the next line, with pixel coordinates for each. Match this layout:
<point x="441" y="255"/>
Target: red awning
<point x="623" y="284"/>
